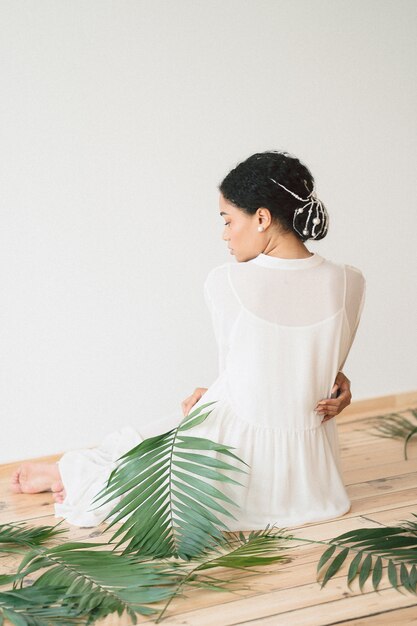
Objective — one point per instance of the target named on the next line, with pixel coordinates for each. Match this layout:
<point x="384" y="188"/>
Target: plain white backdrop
<point x="118" y="120"/>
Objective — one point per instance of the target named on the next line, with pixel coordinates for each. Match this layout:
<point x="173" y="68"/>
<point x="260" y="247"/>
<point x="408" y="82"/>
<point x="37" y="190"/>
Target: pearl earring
<point x="261" y="228"/>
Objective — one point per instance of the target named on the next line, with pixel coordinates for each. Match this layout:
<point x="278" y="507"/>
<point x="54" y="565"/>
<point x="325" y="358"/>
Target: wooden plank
<point x="366" y="458"/>
<point x="374" y="487"/>
<point x="307" y="603"/>
<point x="364" y="506"/>
<point x="19" y="507"/>
<point x="375" y="472"/>
<point x="393" y="617"/>
<point x="380" y="450"/>
<point x="394" y="515"/>
<point x="332" y="613"/>
<point x="328" y="529"/>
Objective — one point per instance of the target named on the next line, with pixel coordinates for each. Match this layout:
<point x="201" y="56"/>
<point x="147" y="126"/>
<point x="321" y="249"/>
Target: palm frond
<point x="396" y="426"/>
<point x="370" y="548"/>
<point x="169" y="505"/>
<point x="410" y="525"/>
<point x="82" y="581"/>
<point x="20" y="534"/>
<point x="33" y="607"/>
<point x="98" y="582"/>
<point x="260" y="548"/>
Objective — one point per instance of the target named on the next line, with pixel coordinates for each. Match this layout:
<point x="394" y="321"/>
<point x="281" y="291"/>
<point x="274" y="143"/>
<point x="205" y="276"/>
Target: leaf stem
<point x="204" y="566"/>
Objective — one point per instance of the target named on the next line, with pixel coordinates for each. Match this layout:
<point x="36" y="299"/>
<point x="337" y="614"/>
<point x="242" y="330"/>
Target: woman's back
<point x="284" y="329"/>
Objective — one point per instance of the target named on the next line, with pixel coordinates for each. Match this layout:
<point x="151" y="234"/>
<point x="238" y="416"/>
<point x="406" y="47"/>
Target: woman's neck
<point x="287" y="247"/>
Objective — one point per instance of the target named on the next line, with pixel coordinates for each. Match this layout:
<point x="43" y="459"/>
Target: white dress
<point x="284" y="328"/>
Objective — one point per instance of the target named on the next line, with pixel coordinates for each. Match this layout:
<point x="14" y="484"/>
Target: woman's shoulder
<point x="220" y="273"/>
<point x="216" y="277"/>
<point x="217" y="288"/>
<point x="355" y="273"/>
<point x="355" y="280"/>
<point x="351" y="270"/>
<point x="217" y="272"/>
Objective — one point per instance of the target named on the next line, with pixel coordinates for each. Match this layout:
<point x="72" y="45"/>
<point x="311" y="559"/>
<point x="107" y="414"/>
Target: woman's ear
<point x="264" y="216"/>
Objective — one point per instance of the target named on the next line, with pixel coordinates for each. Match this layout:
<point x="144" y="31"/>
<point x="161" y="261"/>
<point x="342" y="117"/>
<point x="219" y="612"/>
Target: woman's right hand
<point x="191" y="400"/>
<point x="330" y="407"/>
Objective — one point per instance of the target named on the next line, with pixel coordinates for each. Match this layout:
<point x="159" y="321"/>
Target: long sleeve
<point x="217" y="328"/>
<point x="223" y="307"/>
<point x="355" y="300"/>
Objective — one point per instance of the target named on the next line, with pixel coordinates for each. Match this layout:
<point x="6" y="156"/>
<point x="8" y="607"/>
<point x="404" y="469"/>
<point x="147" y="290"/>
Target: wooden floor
<point x="383" y="490"/>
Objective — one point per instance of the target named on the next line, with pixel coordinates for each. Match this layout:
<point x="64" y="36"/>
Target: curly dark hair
<point x="249" y="186"/>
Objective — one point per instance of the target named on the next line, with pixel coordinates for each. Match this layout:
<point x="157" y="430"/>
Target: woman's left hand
<point x="330" y="407"/>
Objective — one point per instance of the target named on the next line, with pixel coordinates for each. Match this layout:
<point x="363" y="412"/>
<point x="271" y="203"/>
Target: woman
<point x="285" y="320"/>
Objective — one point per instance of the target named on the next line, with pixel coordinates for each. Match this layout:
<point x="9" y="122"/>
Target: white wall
<point x="118" y="121"/>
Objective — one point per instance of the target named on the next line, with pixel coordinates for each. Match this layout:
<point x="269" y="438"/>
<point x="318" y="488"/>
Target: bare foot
<point x="34" y="477"/>
<point x="58" y="491"/>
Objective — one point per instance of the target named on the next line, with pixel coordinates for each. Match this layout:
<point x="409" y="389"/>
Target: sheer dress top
<point x="284" y="328"/>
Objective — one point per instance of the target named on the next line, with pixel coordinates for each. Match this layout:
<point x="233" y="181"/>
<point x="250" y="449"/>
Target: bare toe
<point x="57" y="486"/>
<point x="59" y="496"/>
<point x="15" y="482"/>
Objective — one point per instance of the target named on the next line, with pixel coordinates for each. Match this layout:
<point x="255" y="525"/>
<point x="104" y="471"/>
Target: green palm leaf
<point x="98" y="582"/>
<point x="353" y="568"/>
<point x="168" y="504"/>
<point x="335" y="565"/>
<point x="23" y="535"/>
<point x="31" y="607"/>
<point x="14" y="538"/>
<point x="81" y="581"/>
<point x="396" y="426"/>
<point x="261" y="547"/>
<point x="369" y="547"/>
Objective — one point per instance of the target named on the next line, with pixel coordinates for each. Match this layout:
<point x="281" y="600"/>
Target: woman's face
<point x="241" y="231"/>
